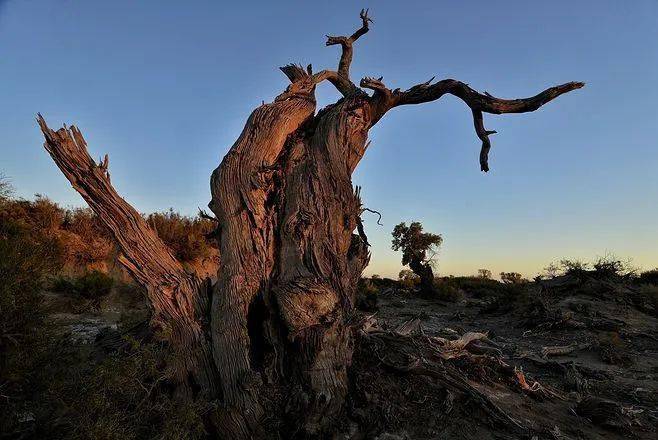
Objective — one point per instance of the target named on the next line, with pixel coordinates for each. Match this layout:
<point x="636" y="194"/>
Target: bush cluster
<point x="92" y="285"/>
<point x="49" y="386"/>
<point x="87" y="243"/>
<point x="59" y="391"/>
<point x="185" y="236"/>
<point x="27" y="258"/>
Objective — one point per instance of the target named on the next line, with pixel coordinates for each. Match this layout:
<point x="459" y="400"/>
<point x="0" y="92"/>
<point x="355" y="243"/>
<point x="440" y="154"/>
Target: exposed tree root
<point x="383" y="358"/>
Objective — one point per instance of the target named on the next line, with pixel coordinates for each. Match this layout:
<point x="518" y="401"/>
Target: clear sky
<point x="165" y="87"/>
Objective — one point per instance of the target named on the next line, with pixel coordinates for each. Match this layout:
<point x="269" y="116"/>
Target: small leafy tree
<point x="418" y="251"/>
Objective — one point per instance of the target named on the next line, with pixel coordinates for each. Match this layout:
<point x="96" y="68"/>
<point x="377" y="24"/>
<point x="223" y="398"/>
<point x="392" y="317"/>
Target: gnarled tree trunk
<point x="272" y="338"/>
<point x="426" y="274"/>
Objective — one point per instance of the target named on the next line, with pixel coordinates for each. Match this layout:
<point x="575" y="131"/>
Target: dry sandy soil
<point x="568" y="358"/>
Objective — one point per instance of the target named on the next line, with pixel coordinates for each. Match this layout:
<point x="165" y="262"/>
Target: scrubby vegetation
<point x="88" y="246"/>
<point x="117" y="384"/>
<point x="92" y="285"/>
<point x="54" y="386"/>
<point x="513" y="288"/>
<point x="186" y="236"/>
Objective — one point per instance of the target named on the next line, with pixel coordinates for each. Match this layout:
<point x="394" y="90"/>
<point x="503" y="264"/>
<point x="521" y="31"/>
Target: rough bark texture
<point x="276" y="326"/>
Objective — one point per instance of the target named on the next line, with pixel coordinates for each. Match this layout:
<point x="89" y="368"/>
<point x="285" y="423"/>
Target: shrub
<point x="477" y="286"/>
<point x="91" y="285"/>
<point x="5" y="188"/>
<point x="485" y="274"/>
<point x="383" y="283"/>
<point x="27" y="257"/>
<point x="88" y="241"/>
<point x="184" y="235"/>
<point x="602" y="267"/>
<point x="573" y="267"/>
<point x="649" y="277"/>
<point x="511" y="278"/>
<point x="447" y="289"/>
<point x="408" y="279"/>
<point x="551" y="271"/>
<point x="611" y="266"/>
<point x="68" y="394"/>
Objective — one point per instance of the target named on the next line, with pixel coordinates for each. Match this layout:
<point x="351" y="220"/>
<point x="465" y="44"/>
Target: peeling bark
<point x="277" y="320"/>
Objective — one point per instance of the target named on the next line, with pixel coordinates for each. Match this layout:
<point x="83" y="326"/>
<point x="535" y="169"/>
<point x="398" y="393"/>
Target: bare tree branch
<point x="483" y="134"/>
<point x="343" y="84"/>
<point x="384" y="99"/>
<point x="145" y="256"/>
<point x="341" y="78"/>
<point x="487" y="103"/>
<point x="374" y="212"/>
<point x="347" y="42"/>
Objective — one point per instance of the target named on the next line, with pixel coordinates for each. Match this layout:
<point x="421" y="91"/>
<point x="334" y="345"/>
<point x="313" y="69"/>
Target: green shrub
<point x="447" y="289"/>
<point x="90" y="285"/>
<point x="69" y="394"/>
<point x="185" y="236"/>
<point x="27" y="257"/>
<point x="408" y="279"/>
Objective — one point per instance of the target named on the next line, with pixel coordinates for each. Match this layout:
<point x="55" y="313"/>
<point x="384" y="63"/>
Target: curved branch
<point x="374" y="212"/>
<point x="343" y="84"/>
<point x="384" y="99"/>
<point x="487" y="103"/>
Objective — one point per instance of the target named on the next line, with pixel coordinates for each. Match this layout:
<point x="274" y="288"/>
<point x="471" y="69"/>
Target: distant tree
<point x="418" y="251"/>
<point x="485" y="274"/>
<point x="511" y="277"/>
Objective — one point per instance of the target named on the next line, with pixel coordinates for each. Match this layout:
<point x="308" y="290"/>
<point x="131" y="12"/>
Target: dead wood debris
<point x="420" y="371"/>
<point x="562" y="350"/>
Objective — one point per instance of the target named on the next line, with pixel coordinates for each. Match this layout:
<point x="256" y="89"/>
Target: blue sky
<point x="165" y="87"/>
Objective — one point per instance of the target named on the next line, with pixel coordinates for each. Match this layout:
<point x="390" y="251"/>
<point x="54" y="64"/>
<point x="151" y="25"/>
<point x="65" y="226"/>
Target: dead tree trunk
<point x="272" y="336"/>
